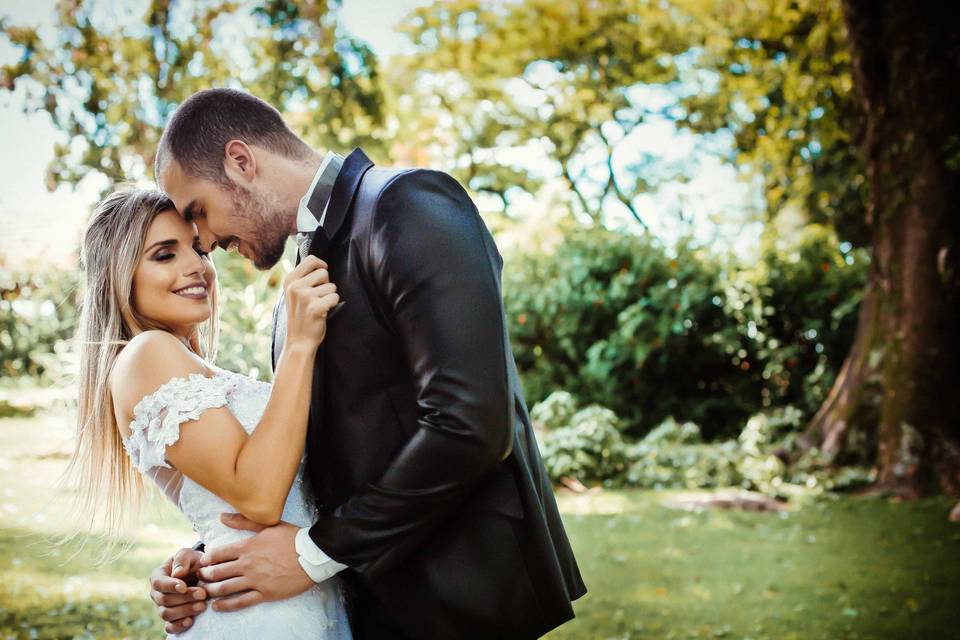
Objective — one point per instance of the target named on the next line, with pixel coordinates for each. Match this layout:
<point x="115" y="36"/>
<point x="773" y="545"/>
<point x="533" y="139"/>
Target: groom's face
<point x="229" y="216"/>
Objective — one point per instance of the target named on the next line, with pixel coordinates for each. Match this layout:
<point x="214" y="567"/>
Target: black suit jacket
<point x="420" y="451"/>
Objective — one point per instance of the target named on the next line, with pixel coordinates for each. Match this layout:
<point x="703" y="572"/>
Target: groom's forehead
<point x="180" y="187"/>
<point x="168" y="173"/>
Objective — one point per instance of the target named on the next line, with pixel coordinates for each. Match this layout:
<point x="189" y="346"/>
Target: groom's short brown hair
<point x="201" y="127"/>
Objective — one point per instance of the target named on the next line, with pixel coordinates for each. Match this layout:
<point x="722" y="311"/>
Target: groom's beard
<point x="262" y="226"/>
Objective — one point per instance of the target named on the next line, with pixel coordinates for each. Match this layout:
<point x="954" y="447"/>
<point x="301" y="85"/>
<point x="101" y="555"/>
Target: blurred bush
<point x="620" y="321"/>
<point x="38" y="316"/>
<point x="798" y="308"/>
<point x="617" y="320"/>
<point x="247" y="298"/>
<point x="591" y="448"/>
<point x="555" y="411"/>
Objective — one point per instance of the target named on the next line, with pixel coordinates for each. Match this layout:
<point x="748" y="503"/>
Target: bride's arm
<point x="253" y="473"/>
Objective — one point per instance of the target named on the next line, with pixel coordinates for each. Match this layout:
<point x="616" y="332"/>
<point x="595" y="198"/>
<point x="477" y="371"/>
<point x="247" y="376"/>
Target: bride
<point x="211" y="439"/>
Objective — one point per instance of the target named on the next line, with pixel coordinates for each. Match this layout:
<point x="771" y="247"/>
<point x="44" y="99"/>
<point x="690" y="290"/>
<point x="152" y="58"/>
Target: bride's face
<point x="174" y="279"/>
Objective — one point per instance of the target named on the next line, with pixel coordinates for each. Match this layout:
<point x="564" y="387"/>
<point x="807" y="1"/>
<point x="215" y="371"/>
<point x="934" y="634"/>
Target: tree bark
<point x="844" y="428"/>
<point x="901" y="380"/>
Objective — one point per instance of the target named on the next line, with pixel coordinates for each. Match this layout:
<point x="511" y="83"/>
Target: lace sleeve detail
<point x="157" y="417"/>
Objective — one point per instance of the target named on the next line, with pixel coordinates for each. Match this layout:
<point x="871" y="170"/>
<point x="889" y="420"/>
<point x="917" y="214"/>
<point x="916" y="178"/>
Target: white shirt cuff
<point x="318" y="565"/>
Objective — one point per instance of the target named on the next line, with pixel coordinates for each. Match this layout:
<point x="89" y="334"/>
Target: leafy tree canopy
<point x="110" y="81"/>
<point x="576" y="78"/>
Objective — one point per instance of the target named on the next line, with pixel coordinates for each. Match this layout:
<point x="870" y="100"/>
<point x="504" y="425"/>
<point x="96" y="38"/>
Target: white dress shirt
<point x="308" y="221"/>
<point x="318" y="565"/>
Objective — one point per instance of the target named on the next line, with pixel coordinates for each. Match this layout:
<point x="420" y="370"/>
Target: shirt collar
<point x="320" y="189"/>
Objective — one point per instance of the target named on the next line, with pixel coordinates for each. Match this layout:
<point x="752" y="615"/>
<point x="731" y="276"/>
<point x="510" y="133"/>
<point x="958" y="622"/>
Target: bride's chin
<point x="192" y="323"/>
<point x="200" y="319"/>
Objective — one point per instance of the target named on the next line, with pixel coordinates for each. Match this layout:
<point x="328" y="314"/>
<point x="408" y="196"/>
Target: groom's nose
<point x="207" y="240"/>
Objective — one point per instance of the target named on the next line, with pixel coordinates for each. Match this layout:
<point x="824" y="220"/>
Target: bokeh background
<point x="731" y="243"/>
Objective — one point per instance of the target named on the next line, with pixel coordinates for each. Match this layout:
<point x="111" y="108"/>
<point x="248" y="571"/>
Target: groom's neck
<point x="290" y="178"/>
<point x="301" y="174"/>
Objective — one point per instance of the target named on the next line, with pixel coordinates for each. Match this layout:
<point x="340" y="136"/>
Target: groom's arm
<point x="428" y="259"/>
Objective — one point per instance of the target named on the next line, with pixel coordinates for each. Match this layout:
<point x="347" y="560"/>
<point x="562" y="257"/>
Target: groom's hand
<point x="263" y="568"/>
<point x="178" y="602"/>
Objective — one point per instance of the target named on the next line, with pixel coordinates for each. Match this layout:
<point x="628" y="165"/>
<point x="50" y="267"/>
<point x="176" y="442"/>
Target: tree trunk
<point x="901" y="380"/>
<point x="844" y="428"/>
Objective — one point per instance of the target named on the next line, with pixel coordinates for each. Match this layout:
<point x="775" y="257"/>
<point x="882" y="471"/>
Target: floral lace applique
<point x="158" y="416"/>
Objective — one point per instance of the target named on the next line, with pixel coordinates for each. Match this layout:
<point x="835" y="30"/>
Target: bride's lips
<point x="196" y="291"/>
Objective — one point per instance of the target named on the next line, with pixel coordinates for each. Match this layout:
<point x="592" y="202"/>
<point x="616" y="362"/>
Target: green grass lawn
<point x="837" y="568"/>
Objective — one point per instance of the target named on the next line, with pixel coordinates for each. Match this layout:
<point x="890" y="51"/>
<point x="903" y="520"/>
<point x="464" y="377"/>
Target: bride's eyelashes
<point x="166" y="256"/>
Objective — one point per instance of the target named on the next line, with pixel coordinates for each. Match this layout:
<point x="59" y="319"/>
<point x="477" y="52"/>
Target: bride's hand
<point x="177" y="602"/>
<point x="309" y="296"/>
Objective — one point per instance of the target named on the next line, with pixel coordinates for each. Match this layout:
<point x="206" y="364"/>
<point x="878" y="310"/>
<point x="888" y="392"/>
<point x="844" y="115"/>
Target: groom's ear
<point x="239" y="161"/>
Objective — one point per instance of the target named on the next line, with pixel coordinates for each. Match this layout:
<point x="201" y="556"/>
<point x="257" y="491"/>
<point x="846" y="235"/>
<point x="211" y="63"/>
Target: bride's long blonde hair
<point x="111" y="251"/>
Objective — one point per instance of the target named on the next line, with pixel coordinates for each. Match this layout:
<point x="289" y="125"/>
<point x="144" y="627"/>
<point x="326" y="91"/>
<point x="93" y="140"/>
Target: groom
<point x="434" y="507"/>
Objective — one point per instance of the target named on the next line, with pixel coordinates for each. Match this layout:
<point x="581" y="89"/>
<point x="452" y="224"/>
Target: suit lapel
<point x="344" y="188"/>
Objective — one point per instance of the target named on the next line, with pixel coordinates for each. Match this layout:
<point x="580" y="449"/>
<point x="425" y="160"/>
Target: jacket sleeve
<point x="435" y="268"/>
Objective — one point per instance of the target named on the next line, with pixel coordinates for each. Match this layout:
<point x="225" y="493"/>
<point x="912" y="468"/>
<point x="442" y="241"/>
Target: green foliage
<point x="620" y="321"/>
<point x="764" y="430"/>
<point x="617" y="321"/>
<point x="670" y="432"/>
<point x="776" y="73"/>
<point x="580" y="78"/>
<point x="690" y="466"/>
<point x="798" y="307"/>
<point x="563" y="88"/>
<point x="555" y="411"/>
<point x="110" y="83"/>
<point x="589" y="448"/>
<point x="38" y="314"/>
<point x="10" y="410"/>
<point x="673" y="455"/>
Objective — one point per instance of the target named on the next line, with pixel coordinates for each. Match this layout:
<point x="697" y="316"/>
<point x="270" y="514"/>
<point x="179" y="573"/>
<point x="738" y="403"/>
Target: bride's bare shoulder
<point x="147" y="350"/>
<point x="149" y="360"/>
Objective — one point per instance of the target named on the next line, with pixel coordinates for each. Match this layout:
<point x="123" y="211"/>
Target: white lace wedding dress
<point x="317" y="614"/>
